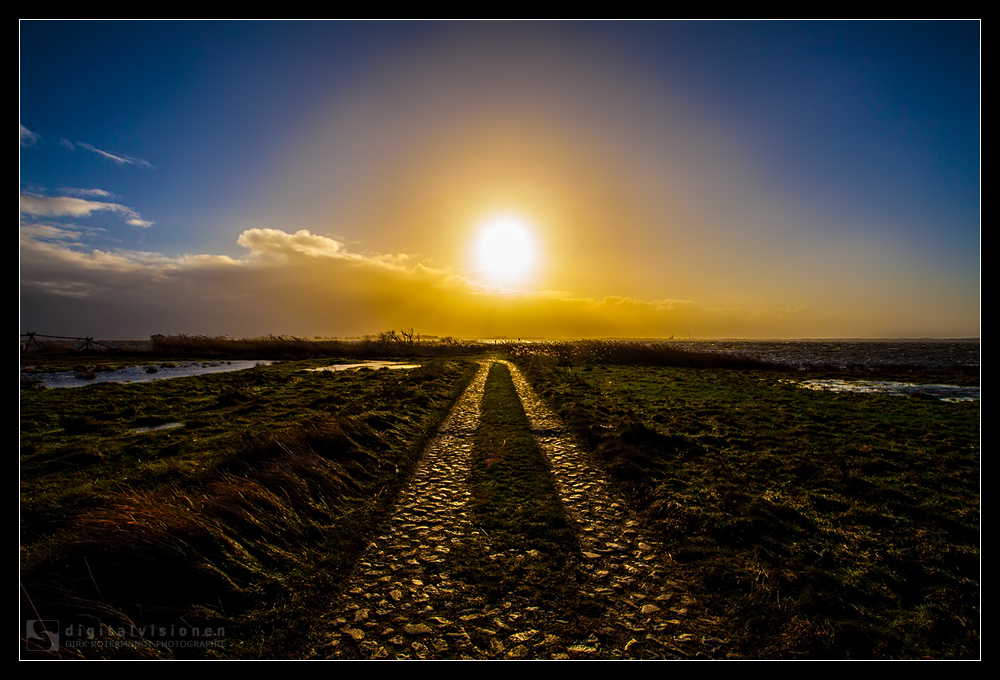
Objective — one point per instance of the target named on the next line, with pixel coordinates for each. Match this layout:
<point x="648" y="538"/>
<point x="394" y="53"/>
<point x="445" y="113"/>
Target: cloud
<point x="274" y="242"/>
<point x="278" y="244"/>
<point x="120" y="160"/>
<point x="61" y="205"/>
<point x="48" y="232"/>
<point x="98" y="193"/>
<point x="64" y="289"/>
<point x="68" y="206"/>
<point x="28" y="138"/>
<point x="306" y="284"/>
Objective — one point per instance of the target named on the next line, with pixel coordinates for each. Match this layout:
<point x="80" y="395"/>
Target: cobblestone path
<point x="403" y="602"/>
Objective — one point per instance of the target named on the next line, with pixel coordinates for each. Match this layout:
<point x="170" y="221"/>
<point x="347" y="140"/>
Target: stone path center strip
<point x="402" y="602"/>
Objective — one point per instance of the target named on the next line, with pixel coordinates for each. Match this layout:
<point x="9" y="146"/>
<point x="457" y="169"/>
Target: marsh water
<point x="900" y="389"/>
<point x="141" y="373"/>
<point x="960" y="357"/>
<point x="179" y="369"/>
<point x="374" y="365"/>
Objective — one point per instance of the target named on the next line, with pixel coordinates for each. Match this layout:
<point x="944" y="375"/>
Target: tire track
<point x="402" y="601"/>
<point x="634" y="577"/>
<point x="389" y="598"/>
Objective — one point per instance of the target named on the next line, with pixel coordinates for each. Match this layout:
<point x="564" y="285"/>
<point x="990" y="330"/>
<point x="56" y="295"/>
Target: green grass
<point x="821" y="525"/>
<point x="515" y="505"/>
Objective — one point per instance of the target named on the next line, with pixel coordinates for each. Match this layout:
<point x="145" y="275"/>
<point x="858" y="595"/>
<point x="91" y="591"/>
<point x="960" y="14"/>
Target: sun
<point x="505" y="250"/>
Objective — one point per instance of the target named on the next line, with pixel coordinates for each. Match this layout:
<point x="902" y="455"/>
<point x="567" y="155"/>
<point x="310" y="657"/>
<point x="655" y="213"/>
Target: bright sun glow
<point x="505" y="250"/>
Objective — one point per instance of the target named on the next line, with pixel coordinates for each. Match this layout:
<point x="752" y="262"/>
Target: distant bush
<point x="630" y="352"/>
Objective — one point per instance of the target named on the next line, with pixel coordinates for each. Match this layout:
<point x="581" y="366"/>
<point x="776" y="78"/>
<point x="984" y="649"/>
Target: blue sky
<point x="737" y="179"/>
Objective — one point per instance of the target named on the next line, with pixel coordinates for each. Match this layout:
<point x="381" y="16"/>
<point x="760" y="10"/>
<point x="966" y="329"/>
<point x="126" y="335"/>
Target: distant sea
<point x="934" y="356"/>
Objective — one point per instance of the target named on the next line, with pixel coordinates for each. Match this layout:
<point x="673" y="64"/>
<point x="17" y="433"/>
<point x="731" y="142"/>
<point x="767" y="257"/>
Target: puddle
<point x="142" y="373"/>
<point x="367" y="364"/>
<point x="942" y="392"/>
<point x="153" y="428"/>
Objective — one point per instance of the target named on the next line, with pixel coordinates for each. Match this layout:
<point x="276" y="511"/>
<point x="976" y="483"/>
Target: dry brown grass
<point x="220" y="540"/>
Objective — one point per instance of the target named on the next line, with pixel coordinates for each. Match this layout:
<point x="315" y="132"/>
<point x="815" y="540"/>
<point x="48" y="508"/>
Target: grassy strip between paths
<point x="820" y="525"/>
<point x="527" y="549"/>
<point x="227" y="535"/>
<point x="515" y="504"/>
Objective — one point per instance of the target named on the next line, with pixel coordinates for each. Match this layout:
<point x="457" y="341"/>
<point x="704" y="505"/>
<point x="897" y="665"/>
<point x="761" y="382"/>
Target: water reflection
<point x="143" y="373"/>
<point x="367" y="364"/>
<point x="942" y="392"/>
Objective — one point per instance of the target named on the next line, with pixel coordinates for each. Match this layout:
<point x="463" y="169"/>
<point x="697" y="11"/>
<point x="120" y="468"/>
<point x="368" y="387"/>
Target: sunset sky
<point x="558" y="179"/>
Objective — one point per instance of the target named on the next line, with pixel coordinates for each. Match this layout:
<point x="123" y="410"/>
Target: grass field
<point x="816" y="525"/>
<point x="819" y="524"/>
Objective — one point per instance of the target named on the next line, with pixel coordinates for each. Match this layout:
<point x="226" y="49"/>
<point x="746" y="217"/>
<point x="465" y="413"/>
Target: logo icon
<point x="42" y="634"/>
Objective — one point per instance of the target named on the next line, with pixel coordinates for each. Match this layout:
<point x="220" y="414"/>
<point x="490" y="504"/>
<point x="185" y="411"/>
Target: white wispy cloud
<point x="69" y="206"/>
<point x="60" y="206"/>
<point x="28" y="138"/>
<point x="48" y="232"/>
<point x="119" y="159"/>
<point x="96" y="193"/>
